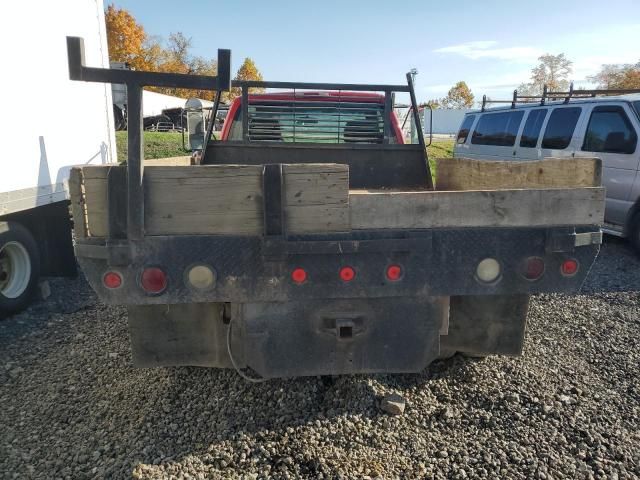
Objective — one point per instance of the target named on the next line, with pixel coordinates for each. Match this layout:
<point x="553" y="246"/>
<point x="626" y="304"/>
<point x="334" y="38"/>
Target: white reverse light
<point x="488" y="270"/>
<point x="201" y="277"/>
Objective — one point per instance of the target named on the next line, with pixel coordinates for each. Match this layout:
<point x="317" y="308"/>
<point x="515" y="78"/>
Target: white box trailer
<point x="49" y="124"/>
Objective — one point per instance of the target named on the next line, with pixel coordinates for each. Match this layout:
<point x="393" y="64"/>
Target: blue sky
<point x="491" y="44"/>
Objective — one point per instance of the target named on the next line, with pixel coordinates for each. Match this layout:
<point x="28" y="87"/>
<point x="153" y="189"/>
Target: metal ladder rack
<point x="550" y="95"/>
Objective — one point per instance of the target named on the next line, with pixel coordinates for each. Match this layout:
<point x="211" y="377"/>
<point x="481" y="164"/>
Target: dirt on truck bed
<point x="74" y="407"/>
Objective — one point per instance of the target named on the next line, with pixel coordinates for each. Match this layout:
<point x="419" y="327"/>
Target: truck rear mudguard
<point x="261" y="314"/>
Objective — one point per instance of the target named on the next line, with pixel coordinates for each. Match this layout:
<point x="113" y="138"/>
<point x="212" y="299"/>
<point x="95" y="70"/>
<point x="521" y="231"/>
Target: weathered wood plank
<point x="77" y="203"/>
<point x="203" y="171"/>
<point x="227" y="199"/>
<point x="497" y="208"/>
<point x="302" y="219"/>
<point x="318" y="189"/>
<point x="95" y="197"/>
<point x="478" y="174"/>
<point x="232" y="223"/>
<point x="169" y="161"/>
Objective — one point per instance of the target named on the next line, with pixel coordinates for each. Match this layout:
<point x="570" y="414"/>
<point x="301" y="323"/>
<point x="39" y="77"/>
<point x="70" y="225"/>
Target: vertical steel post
<point x="210" y="127"/>
<point x="387" y="116"/>
<point x="135" y="163"/>
<point x="245" y="113"/>
<point x="416" y="118"/>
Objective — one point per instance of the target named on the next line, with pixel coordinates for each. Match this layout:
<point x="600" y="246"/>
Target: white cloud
<point x="487" y="49"/>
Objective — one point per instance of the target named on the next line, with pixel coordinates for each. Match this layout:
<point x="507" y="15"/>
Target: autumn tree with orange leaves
<point x="128" y="42"/>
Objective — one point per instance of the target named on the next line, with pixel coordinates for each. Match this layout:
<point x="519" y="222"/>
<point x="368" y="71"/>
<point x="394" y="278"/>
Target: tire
<point x="634" y="232"/>
<point x="19" y="267"/>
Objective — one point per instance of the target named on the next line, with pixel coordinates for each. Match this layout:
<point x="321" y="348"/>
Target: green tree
<point x="553" y="71"/>
<point x="459" y="96"/>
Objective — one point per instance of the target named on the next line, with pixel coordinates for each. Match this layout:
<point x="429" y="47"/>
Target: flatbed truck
<point x="311" y="240"/>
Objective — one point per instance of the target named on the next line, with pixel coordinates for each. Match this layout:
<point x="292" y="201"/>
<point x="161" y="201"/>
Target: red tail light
<point x="394" y="272"/>
<point x="347" y="274"/>
<point x="112" y="280"/>
<point x="569" y="267"/>
<point x="299" y="275"/>
<point x="534" y="268"/>
<point x="153" y="280"/>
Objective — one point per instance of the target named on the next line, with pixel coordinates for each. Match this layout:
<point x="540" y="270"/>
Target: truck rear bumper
<point x="437" y="262"/>
<point x="326" y="337"/>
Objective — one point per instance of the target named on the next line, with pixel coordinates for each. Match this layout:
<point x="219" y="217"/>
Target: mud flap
<point x="334" y="337"/>
<point x="487" y="324"/>
<point x="181" y="334"/>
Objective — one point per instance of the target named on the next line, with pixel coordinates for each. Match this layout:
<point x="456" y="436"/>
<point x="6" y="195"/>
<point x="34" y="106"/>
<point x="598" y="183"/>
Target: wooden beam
<point x="76" y="194"/>
<point x="227" y="199"/>
<point x="497" y="208"/>
<point x="479" y="174"/>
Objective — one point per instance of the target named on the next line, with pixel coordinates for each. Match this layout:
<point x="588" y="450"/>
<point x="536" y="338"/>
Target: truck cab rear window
<point x="532" y="128"/>
<point x="560" y="128"/>
<point x="610" y="131"/>
<point x="312" y="122"/>
<point x="497" y="129"/>
<point x="464" y="129"/>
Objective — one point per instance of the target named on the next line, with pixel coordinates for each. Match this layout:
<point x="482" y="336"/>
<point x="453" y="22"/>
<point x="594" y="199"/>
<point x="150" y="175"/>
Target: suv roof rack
<point x="550" y="95"/>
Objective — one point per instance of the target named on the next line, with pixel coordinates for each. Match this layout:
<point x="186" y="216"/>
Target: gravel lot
<point x="71" y="406"/>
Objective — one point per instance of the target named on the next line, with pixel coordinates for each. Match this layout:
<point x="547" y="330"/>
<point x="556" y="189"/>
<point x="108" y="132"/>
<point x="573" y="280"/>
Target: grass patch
<point x="441" y="149"/>
<point x="156" y="145"/>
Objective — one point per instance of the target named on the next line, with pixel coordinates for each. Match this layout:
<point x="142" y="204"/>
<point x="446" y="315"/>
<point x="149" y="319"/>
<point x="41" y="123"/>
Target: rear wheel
<point x="634" y="232"/>
<point x="19" y="267"/>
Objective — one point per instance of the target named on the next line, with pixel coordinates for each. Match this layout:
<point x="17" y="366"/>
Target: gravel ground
<point x="71" y="406"/>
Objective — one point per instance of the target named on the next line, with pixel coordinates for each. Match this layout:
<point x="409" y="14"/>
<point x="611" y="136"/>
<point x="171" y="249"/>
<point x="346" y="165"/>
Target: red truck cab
<point x="313" y="117"/>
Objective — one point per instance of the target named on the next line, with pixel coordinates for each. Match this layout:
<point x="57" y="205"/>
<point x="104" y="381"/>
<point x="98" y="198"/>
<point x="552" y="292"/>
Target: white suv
<point x="604" y="127"/>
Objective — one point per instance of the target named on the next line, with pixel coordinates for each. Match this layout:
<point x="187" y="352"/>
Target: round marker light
<point x="347" y="274"/>
<point x="201" y="277"/>
<point x="394" y="273"/>
<point x="112" y="280"/>
<point x="299" y="275"/>
<point x="488" y="270"/>
<point x="534" y="268"/>
<point x="153" y="280"/>
<point x="569" y="267"/>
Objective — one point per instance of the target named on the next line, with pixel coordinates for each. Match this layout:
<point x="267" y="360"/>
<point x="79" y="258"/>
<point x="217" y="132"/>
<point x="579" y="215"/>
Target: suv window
<point x="464" y="129"/>
<point x="636" y="105"/>
<point x="560" y="128"/>
<point x="532" y="128"/>
<point x="498" y="129"/>
<point x="610" y="131"/>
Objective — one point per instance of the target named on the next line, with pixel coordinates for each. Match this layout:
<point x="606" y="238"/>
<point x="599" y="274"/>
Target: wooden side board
<point x="76" y="193"/>
<point x="478" y="174"/>
<point x="168" y="161"/>
<point x="489" y="208"/>
<point x="227" y="199"/>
